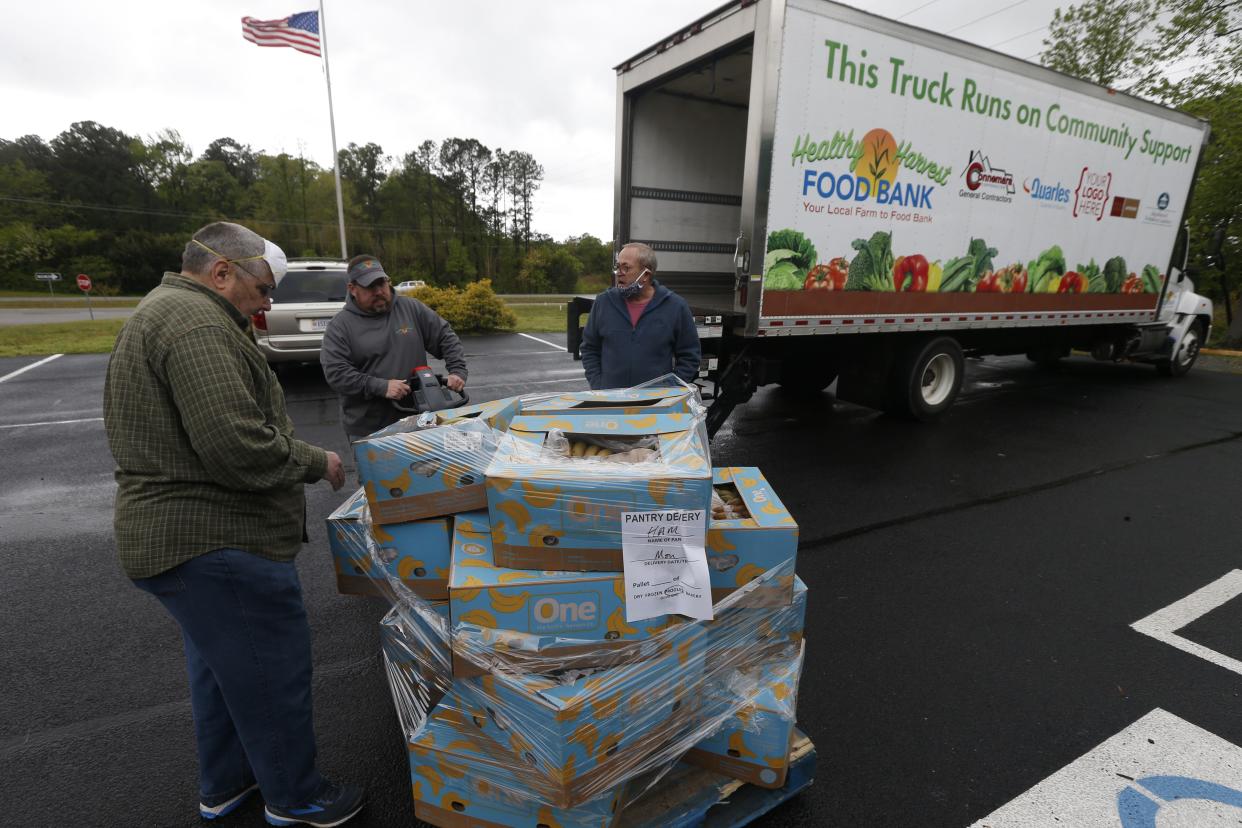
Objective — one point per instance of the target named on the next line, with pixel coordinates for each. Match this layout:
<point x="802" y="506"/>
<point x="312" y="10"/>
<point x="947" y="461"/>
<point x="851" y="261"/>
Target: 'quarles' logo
<point x="984" y="181"/>
<point x="1091" y="197"/>
<point x="565" y="613"/>
<point x="1048" y="195"/>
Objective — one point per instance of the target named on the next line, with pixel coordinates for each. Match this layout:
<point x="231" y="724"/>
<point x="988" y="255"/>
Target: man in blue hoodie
<point x="638" y="330"/>
<point x="372" y="346"/>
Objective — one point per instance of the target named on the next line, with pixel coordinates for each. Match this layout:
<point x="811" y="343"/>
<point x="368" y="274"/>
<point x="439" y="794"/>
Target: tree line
<point x="119" y="208"/>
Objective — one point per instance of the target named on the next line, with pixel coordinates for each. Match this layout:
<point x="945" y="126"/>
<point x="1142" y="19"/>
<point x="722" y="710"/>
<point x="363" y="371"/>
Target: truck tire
<point x="927" y="378"/>
<point x="1183" y="359"/>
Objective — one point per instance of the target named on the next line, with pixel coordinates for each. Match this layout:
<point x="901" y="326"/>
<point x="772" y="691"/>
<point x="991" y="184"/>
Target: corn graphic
<point x="568" y="770"/>
<point x="781" y="691"/>
<point x="509" y="603"/>
<point x="748" y="482"/>
<point x="641" y="423"/>
<point x="480" y="563"/>
<point x="399" y="484"/>
<point x="776" y="762"/>
<point x="466" y="595"/>
<point x="683" y="653"/>
<point x="737" y="746"/>
<point x="568" y="714"/>
<point x="540" y="499"/>
<point x="517" y="513"/>
<point x="417" y="789"/>
<point x="432" y="776"/>
<point x="463" y="744"/>
<point x="442" y="573"/>
<point x="658" y="490"/>
<point x="771" y="509"/>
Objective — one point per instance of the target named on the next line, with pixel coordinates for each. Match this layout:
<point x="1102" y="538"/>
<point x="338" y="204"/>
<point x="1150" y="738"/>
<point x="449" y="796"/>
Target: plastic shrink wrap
<point x="527" y="698"/>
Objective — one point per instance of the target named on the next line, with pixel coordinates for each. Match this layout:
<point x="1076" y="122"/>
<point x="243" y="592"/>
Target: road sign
<point x="48" y="277"/>
<point x="84" y="282"/>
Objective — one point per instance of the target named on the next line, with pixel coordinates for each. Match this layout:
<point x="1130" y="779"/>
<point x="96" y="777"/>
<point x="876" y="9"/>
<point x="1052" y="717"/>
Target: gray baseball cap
<point x="366" y="272"/>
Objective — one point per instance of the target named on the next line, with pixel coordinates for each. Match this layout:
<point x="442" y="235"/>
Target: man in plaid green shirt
<point x="210" y="512"/>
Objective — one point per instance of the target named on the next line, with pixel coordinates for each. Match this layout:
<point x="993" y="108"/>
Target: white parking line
<point x="1161" y="624"/>
<point x="544" y="341"/>
<point x="29" y="367"/>
<point x="55" y="422"/>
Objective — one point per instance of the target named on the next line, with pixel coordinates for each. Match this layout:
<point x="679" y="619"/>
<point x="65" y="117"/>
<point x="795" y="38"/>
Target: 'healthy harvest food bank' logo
<point x="873" y="163"/>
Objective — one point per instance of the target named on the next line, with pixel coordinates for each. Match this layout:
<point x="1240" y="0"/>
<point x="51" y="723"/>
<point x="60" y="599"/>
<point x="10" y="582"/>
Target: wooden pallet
<point x="689" y="797"/>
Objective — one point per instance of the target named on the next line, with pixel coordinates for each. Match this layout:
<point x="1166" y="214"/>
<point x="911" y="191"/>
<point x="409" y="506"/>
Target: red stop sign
<point x="84" y="282"/>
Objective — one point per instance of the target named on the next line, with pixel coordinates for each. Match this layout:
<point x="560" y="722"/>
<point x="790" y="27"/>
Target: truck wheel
<point x="927" y="379"/>
<point x="1187" y="352"/>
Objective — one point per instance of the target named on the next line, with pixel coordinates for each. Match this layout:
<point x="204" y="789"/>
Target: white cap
<point x="275" y="258"/>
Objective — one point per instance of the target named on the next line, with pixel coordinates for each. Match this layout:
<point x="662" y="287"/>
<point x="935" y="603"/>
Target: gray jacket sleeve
<point x="338" y="369"/>
<point x="441" y="340"/>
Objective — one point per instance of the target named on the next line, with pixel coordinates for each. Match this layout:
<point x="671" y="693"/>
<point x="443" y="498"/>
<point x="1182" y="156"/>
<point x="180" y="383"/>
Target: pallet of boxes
<point x="537" y="684"/>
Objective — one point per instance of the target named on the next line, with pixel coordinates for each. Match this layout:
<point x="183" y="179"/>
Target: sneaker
<point x="335" y="805"/>
<point x="218" y="806"/>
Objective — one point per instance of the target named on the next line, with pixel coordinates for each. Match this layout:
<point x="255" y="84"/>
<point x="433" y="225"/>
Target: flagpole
<point x="336" y="160"/>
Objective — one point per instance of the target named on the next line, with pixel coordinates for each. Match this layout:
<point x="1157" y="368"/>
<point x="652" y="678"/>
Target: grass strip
<point x="87" y="337"/>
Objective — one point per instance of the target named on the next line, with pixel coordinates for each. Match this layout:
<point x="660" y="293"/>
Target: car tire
<point x="926" y="379"/>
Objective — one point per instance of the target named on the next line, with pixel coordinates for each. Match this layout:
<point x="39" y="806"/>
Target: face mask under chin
<point x="633" y="289"/>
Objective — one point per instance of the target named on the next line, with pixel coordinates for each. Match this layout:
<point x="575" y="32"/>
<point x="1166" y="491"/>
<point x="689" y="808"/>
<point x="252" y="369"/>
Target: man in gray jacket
<point x="372" y="346"/>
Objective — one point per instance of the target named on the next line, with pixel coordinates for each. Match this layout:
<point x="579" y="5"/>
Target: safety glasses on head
<point x="272" y="254"/>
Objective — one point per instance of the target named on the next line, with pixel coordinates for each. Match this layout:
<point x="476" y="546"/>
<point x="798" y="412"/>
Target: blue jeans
<point x="248" y="656"/>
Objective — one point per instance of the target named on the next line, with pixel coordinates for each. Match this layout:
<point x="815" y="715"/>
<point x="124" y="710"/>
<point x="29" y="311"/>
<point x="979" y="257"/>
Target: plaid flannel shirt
<point x="205" y="450"/>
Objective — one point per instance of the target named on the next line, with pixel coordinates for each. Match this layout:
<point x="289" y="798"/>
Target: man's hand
<point x="397" y="389"/>
<point x="455" y="382"/>
<point x="336" y="472"/>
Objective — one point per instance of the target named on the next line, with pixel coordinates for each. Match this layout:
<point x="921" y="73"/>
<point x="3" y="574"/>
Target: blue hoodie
<point x="618" y="354"/>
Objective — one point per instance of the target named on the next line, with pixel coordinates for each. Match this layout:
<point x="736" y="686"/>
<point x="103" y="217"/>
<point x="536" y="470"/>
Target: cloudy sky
<point x="534" y="75"/>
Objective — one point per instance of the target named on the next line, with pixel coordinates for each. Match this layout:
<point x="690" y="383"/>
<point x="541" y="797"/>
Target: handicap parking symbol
<point x="1138" y="810"/>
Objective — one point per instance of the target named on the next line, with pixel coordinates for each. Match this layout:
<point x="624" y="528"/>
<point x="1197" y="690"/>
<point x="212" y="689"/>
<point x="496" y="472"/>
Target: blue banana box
<point x="556" y="506"/>
<point x="580" y="733"/>
<point x="417" y="552"/>
<point x="618" y="401"/>
<point x="415" y="652"/>
<point x="753" y="744"/>
<point x="747" y="631"/>
<point x="459" y="780"/>
<point x="583" y="606"/>
<point x="495" y="414"/>
<point x="751" y="531"/>
<point x="411" y="473"/>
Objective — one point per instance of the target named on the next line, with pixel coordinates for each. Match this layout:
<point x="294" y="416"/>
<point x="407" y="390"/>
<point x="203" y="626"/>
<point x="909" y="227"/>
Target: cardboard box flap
<point x="758" y="496"/>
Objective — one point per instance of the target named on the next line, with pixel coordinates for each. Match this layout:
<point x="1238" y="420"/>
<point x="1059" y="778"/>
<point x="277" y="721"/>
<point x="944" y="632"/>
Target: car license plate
<point x="320" y="324"/>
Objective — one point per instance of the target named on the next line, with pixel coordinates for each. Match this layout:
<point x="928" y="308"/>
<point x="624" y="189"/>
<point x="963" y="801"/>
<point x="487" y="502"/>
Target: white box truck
<point x="841" y="196"/>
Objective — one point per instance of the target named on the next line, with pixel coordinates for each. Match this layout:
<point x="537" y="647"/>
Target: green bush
<point x="477" y="309"/>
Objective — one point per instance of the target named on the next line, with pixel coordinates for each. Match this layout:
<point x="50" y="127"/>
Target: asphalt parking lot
<point x="973" y="591"/>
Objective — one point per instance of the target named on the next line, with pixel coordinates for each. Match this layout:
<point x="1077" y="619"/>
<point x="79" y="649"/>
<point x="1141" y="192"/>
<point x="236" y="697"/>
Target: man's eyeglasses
<point x="265" y="289"/>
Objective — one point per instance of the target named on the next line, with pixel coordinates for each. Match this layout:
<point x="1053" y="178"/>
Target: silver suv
<point x="310" y="294"/>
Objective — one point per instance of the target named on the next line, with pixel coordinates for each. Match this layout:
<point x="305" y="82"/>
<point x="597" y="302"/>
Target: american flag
<point x="299" y="31"/>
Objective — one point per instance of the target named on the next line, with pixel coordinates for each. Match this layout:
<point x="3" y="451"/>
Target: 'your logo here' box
<point x="540" y="605"/>
<point x="557" y="485"/>
<point x="412" y="473"/>
<point x="416" y="552"/>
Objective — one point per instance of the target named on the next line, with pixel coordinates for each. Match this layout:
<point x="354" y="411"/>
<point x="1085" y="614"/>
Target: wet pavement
<point x="972" y="586"/>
